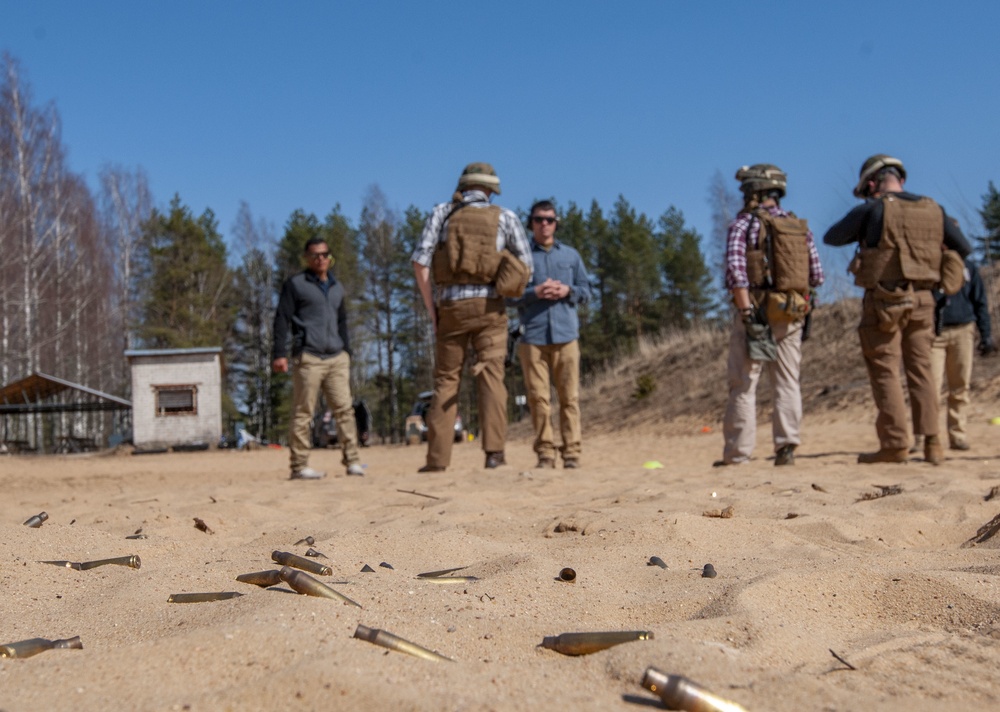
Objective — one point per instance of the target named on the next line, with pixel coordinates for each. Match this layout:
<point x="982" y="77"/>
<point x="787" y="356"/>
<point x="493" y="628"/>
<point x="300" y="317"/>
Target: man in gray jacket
<point x="312" y="303"/>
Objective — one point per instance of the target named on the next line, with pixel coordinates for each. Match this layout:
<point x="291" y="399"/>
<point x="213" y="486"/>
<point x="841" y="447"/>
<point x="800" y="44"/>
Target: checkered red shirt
<point x="743" y="231"/>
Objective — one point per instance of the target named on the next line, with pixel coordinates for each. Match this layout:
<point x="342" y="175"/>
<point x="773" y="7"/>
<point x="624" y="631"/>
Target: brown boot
<point x="895" y="454"/>
<point x="933" y="452"/>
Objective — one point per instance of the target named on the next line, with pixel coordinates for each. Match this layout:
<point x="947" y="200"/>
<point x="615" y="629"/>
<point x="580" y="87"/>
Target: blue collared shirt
<point x="548" y="321"/>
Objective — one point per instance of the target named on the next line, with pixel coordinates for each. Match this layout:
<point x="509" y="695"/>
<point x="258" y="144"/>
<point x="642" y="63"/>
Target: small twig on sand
<point x="419" y="494"/>
<point x="987" y="531"/>
<point x="884" y="491"/>
<point x="849" y="666"/>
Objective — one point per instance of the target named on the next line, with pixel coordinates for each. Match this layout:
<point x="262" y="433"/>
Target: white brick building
<point x="176" y="396"/>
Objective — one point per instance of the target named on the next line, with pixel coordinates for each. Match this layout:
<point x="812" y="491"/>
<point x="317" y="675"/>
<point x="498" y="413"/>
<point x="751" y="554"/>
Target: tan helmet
<point x="872" y="166"/>
<point x="762" y="177"/>
<point x="479" y="174"/>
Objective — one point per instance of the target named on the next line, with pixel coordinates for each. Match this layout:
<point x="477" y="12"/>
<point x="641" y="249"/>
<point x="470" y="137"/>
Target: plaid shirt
<point x="510" y="234"/>
<point x="744" y="231"/>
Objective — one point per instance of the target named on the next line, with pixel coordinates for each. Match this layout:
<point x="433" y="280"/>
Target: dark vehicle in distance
<point x="416" y="425"/>
<point x="324" y="432"/>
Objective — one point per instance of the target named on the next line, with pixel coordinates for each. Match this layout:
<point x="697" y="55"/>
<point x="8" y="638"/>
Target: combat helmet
<point x="872" y="166"/>
<point x="760" y="178"/>
<point x="479" y="174"/>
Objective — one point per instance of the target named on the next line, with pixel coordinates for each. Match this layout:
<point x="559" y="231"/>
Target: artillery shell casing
<point x="263" y="579"/>
<point x="305" y="584"/>
<point x="393" y="642"/>
<point x="37" y="520"/>
<point x="679" y="693"/>
<point x="34" y="646"/>
<point x="202" y="597"/>
<point x="585" y="643"/>
<point x="68" y="564"/>
<point x="133" y="562"/>
<point x="300" y="562"/>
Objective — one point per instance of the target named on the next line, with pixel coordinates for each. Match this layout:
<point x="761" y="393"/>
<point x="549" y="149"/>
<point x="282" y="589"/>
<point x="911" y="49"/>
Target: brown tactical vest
<point x="469" y="253"/>
<point x="909" y="248"/>
<point x="781" y="259"/>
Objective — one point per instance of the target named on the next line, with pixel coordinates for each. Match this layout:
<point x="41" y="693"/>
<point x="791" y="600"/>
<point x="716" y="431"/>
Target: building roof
<point x="28" y="393"/>
<point x="133" y="353"/>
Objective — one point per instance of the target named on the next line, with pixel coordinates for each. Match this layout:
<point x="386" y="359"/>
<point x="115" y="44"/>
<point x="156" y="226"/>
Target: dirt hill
<point x="689" y="374"/>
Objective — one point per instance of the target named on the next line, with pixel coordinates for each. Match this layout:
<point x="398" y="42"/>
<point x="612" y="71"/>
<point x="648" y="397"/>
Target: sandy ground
<point x="883" y="583"/>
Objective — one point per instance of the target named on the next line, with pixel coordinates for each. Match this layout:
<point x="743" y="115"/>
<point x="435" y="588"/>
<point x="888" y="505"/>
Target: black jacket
<point x="864" y="225"/>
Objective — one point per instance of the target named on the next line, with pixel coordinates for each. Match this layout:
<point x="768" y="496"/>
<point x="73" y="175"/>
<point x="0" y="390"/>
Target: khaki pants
<point x="561" y="362"/>
<point x="739" y="425"/>
<point x="311" y="375"/>
<point x="951" y="358"/>
<point x="483" y="323"/>
<point x="882" y="352"/>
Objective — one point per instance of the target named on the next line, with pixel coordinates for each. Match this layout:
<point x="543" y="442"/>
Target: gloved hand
<point x="748" y="315"/>
<point x="987" y="347"/>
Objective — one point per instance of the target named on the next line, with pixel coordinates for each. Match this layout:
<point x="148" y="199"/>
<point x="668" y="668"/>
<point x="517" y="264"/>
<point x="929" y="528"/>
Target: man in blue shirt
<point x="549" y="349"/>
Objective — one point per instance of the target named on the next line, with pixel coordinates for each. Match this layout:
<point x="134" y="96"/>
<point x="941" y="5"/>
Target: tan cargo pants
<point x="483" y="323"/>
<point x="310" y="376"/>
<point x="739" y="426"/>
<point x="882" y="351"/>
<point x="542" y="366"/>
<point x="951" y="359"/>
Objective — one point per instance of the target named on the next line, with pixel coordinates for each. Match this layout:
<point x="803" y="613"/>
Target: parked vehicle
<point x="416" y="425"/>
<point x="324" y="433"/>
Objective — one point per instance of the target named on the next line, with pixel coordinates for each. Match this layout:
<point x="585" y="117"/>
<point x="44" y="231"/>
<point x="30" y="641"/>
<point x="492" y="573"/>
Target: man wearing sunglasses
<point x="549" y="350"/>
<point x="900" y="238"/>
<point x="477" y="253"/>
<point x="312" y="303"/>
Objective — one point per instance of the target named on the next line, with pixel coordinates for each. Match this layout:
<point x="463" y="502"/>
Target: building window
<point x="176" y="400"/>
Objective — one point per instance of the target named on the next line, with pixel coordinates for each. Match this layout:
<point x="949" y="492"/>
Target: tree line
<point x="88" y="274"/>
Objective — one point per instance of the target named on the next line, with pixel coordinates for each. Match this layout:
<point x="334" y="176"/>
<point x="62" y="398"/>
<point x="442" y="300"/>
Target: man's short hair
<point x="313" y="241"/>
<point x="542" y="205"/>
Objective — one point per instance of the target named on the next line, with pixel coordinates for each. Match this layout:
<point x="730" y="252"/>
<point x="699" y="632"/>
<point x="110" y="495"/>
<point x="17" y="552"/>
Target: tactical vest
<point x="909" y="249"/>
<point x="469" y="253"/>
<point x="780" y="261"/>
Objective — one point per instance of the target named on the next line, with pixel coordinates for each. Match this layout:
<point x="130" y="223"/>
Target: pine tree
<point x="990" y="213"/>
<point x="687" y="284"/>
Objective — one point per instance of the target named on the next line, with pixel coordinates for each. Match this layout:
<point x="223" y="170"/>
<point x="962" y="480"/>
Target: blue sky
<point x="291" y="105"/>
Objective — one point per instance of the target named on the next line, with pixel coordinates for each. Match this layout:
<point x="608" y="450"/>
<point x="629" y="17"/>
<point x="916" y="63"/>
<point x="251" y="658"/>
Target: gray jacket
<point x="317" y="316"/>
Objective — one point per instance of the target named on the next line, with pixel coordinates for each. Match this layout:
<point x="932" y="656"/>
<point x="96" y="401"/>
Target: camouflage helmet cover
<point x="872" y="166"/>
<point x="762" y="177"/>
<point x="479" y="174"/>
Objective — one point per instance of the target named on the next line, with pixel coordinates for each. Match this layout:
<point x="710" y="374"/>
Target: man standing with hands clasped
<point x="549" y="350"/>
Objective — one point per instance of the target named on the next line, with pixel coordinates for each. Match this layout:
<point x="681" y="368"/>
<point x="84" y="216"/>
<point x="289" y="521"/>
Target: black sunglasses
<point x="318" y="255"/>
<point x="539" y="219"/>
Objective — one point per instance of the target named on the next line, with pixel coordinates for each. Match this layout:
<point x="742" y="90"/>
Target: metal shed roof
<point x="27" y="394"/>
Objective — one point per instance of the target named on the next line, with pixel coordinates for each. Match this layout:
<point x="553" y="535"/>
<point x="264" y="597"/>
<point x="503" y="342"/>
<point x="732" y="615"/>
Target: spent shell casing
<point x="300" y="562"/>
<point x="67" y="564"/>
<point x="393" y="642"/>
<point x="450" y="579"/>
<point x="263" y="579"/>
<point x="308" y="540"/>
<point x="586" y="643"/>
<point x="37" y="520"/>
<point x="316" y="554"/>
<point x="202" y="597"/>
<point x="442" y="572"/>
<point x="656" y="561"/>
<point x="133" y="562"/>
<point x="680" y="693"/>
<point x="305" y="584"/>
<point x="34" y="646"/>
